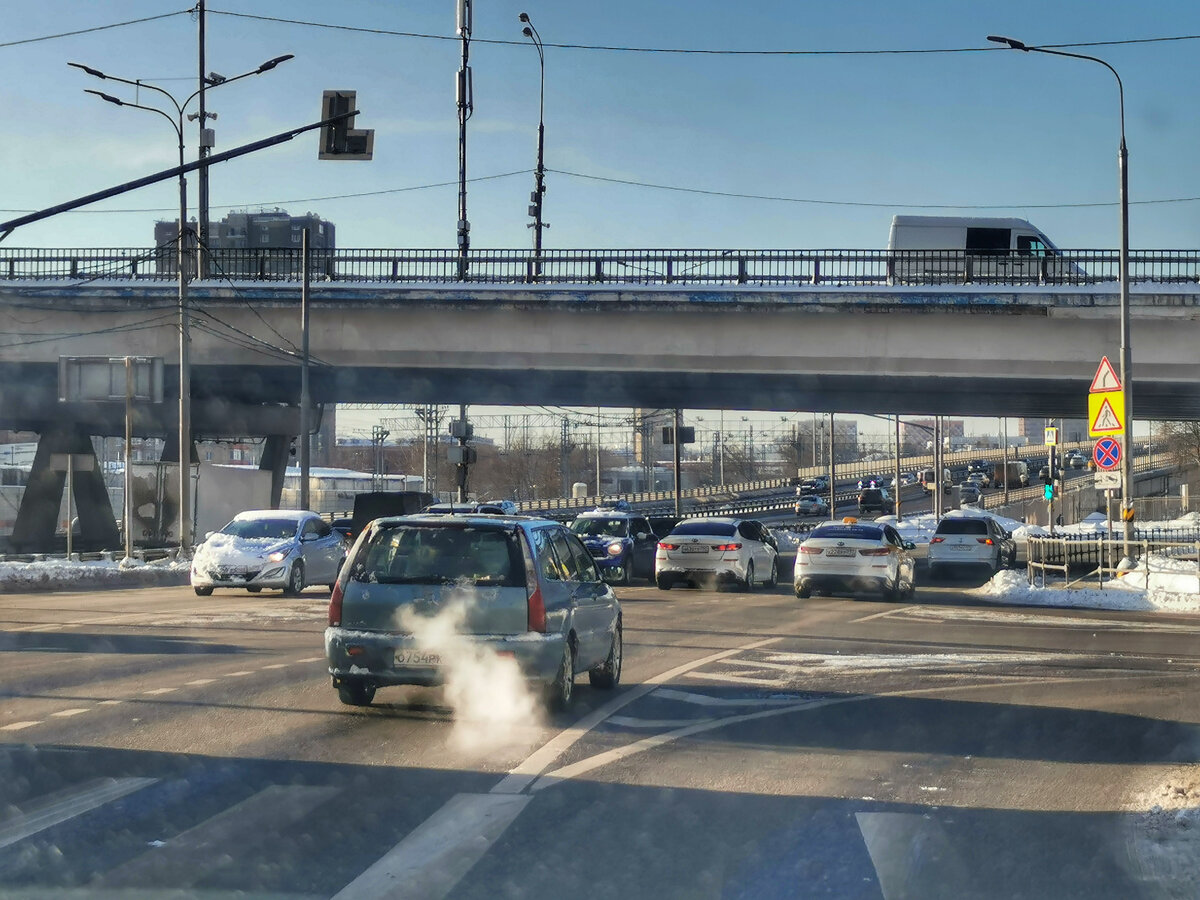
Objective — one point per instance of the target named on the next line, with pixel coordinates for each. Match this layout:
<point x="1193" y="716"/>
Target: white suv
<point x="975" y="541"/>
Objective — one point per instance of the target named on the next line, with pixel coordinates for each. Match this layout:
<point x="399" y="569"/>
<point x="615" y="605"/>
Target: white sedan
<point x="854" y="558"/>
<point x="717" y="550"/>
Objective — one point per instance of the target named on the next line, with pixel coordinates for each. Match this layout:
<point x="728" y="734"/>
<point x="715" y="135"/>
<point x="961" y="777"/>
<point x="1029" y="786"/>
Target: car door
<point x="643" y="547"/>
<point x="585" y="591"/>
<point x="316" y="562"/>
<point x="904" y="559"/>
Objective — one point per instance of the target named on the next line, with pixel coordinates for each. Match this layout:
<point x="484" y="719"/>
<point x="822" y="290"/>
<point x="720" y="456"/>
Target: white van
<point x="969" y="248"/>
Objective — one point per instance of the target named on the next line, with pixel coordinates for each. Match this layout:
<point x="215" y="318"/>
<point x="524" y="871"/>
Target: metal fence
<point x="1099" y="556"/>
<point x="764" y="268"/>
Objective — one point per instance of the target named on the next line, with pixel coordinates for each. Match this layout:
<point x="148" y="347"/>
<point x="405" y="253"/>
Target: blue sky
<point x="968" y="128"/>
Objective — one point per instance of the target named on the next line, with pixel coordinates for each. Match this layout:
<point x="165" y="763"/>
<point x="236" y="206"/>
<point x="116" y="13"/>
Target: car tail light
<point x="663" y="545"/>
<point x="335" y="604"/>
<point x="984" y="540"/>
<point x="724" y="547"/>
<point x="815" y="551"/>
<point x="537" y="610"/>
<point x="875" y="551"/>
<point x="936" y="540"/>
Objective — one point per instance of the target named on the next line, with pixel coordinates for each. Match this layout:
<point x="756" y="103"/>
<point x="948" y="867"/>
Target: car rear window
<point x="962" y="526"/>
<point x="853" y="532"/>
<point x="431" y="554"/>
<point x="716" y="529"/>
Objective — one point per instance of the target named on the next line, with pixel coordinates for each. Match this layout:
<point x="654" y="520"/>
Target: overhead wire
<point x="64" y="34"/>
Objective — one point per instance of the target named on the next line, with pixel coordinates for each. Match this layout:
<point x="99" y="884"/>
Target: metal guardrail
<point x="1100" y="555"/>
<point x="637" y="266"/>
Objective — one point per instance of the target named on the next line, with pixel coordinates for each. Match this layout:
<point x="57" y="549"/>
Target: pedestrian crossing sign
<point x="1106" y="413"/>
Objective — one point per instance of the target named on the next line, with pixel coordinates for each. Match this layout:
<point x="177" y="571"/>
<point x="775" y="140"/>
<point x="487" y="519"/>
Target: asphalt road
<point x="157" y="744"/>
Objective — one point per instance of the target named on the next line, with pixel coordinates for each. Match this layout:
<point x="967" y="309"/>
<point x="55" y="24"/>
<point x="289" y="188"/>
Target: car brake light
<point x="936" y="540"/>
<point x="335" y="604"/>
<point x="875" y="551"/>
<point x="813" y="550"/>
<point x="537" y="610"/>
<point x="984" y="540"/>
<point x="723" y="547"/>
<point x="662" y="545"/>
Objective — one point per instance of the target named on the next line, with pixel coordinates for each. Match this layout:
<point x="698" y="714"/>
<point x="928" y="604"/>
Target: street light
<point x="185" y="384"/>
<point x="1126" y="363"/>
<point x="539" y="174"/>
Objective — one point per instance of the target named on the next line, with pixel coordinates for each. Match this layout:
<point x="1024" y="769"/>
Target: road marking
<point x="537" y="762"/>
<point x="880" y="615"/>
<point x="277" y="666"/>
<point x="634" y="722"/>
<point x="64" y="713"/>
<point x="200" y="681"/>
<point x="110" y="702"/>
<point x="434" y="857"/>
<point x="156" y="691"/>
<point x="238" y="674"/>
<point x="311" y="659"/>
<point x="741" y="679"/>
<point x="18" y="726"/>
<point x="706" y="700"/>
<point x="63" y="805"/>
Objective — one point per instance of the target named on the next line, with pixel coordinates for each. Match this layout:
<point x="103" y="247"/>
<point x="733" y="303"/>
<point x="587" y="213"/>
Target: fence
<point x="1100" y="555"/>
<point x="573" y="266"/>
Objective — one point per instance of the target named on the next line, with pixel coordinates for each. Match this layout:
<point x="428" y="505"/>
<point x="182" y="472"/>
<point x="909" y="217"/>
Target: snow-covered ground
<point x="64" y="575"/>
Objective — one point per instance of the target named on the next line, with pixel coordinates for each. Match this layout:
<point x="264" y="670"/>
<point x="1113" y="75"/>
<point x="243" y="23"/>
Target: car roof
<point x="293" y="514"/>
<point x="467" y="518"/>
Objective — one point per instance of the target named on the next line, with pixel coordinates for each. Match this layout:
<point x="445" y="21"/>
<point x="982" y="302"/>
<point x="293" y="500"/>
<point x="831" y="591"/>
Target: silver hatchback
<point x="520" y="587"/>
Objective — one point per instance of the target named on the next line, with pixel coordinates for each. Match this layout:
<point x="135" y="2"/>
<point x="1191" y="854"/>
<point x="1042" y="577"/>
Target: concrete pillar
<point x="274" y="459"/>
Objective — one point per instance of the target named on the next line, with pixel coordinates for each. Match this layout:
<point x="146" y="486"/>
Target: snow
<point x="919" y="529"/>
<point x="66" y="575"/>
<point x="1174" y="586"/>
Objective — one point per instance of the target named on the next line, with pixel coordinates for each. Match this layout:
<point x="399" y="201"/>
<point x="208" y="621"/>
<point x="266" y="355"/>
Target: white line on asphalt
<point x="742" y="679"/>
<point x="156" y="691"/>
<point x="277" y="666"/>
<point x="18" y="726"/>
<point x="706" y="700"/>
<point x="762" y="664"/>
<point x="436" y="855"/>
<point x="199" y="681"/>
<point x="634" y="722"/>
<point x="537" y="762"/>
<point x="64" y="713"/>
<point x="110" y="702"/>
<point x="238" y="674"/>
<point x="58" y="808"/>
<point x="311" y="659"/>
<point x="880" y="615"/>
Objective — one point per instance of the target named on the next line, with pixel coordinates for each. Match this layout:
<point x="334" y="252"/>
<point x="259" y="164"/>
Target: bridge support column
<point x="274" y="459"/>
<point x="37" y="519"/>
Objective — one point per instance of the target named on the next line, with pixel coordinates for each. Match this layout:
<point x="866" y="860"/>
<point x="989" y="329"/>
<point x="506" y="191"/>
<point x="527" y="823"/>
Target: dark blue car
<point x="621" y="543"/>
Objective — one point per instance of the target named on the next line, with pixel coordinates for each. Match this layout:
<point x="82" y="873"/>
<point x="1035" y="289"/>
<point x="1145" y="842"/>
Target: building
<point x="235" y="242"/>
<point x="1070" y="430"/>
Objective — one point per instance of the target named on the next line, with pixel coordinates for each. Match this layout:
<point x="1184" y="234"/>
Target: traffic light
<point x="341" y="140"/>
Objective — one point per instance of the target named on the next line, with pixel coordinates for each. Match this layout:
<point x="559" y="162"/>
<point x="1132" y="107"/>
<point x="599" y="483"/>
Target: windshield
<point x="261" y="528"/>
<point x="962" y="526"/>
<point x="607" y="527"/>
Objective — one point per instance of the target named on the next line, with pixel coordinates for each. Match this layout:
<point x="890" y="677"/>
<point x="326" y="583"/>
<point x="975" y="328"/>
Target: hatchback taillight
<point x="537" y="610"/>
<point x="335" y="604"/>
<point x="663" y="545"/>
<point x="875" y="551"/>
<point x="936" y="540"/>
<point x="815" y="551"/>
<point x="984" y="540"/>
<point x="724" y="547"/>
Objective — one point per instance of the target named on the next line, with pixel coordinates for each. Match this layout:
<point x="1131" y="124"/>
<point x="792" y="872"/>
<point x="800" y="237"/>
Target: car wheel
<point x="627" y="574"/>
<point x="803" y="591"/>
<point x="773" y="579"/>
<point x="254" y="590"/>
<point x="607" y="675"/>
<point x="748" y="584"/>
<point x="892" y="592"/>
<point x="355" y="693"/>
<point x="203" y="591"/>
<point x="295" y="582"/>
<point x="560" y="690"/>
<point x="664" y="583"/>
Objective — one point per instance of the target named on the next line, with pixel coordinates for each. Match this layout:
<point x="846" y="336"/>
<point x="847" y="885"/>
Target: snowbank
<point x="64" y="575"/>
<point x="1174" y="586"/>
<point x="920" y="528"/>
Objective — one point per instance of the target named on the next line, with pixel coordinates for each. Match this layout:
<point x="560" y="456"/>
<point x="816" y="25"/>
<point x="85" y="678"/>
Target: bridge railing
<point x="760" y="268"/>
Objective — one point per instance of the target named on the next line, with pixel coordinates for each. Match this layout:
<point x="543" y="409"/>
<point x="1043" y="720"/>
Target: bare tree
<point x="1182" y="442"/>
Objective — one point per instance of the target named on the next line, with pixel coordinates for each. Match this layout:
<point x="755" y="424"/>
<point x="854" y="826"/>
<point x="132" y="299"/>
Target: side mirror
<point x="307" y="537"/>
<point x="909" y="545"/>
<point x="642" y="536"/>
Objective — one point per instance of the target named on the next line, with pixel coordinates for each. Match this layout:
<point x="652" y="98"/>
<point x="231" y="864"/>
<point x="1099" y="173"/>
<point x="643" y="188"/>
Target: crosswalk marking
<point x="64" y="805"/>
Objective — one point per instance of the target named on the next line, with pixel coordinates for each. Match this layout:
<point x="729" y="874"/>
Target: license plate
<point x="839" y="551"/>
<point x="232" y="570"/>
<point x="417" y="658"/>
<point x="962" y="548"/>
<point x="698" y="548"/>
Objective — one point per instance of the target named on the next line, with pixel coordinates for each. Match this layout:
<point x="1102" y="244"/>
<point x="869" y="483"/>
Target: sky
<point x="867" y="135"/>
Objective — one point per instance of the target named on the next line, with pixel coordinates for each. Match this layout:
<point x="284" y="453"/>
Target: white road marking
<point x="435" y="856"/>
<point x="238" y="674"/>
<point x="741" y="679"/>
<point x="64" y="713"/>
<point x="157" y="691"/>
<point x="706" y="700"/>
<point x="200" y="681"/>
<point x="881" y="615"/>
<point x="634" y="722"/>
<point x="18" y="726"/>
<point x="311" y="659"/>
<point x="537" y="762"/>
<point x="62" y="806"/>
<point x="277" y="666"/>
<point x="110" y="702"/>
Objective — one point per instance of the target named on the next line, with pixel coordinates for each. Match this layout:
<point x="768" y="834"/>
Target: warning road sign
<point x="1107" y="453"/>
<point x="1106" y="413"/>
<point x="1105" y="379"/>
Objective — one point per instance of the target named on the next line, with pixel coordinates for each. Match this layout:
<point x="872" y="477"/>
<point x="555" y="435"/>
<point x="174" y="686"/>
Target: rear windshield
<point x="962" y="526"/>
<point x="432" y="554"/>
<point x="715" y="529"/>
<point x="853" y="532"/>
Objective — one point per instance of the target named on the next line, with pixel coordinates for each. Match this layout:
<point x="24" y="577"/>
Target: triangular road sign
<point x="1106" y="420"/>
<point x="1106" y="378"/>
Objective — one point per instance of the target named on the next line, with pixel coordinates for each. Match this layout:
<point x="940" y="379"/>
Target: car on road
<point x="717" y="550"/>
<point x="1076" y="460"/>
<point x="968" y="493"/>
<point x="854" y="558"/>
<point x="488" y="508"/>
<point x="814" y="485"/>
<point x="979" y="479"/>
<point x="812" y="505"/>
<point x="622" y="544"/>
<point x="876" y="499"/>
<point x="520" y="587"/>
<point x="870" y="481"/>
<point x="344" y="527"/>
<point x="962" y="542"/>
<point x="280" y="549"/>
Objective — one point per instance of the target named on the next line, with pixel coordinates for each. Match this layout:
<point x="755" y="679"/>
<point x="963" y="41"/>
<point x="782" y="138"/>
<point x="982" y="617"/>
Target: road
<point x="153" y="743"/>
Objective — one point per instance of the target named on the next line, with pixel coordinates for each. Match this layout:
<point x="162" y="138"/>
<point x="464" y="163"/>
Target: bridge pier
<point x="274" y="459"/>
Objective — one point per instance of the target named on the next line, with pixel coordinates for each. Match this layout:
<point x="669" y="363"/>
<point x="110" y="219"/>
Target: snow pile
<point x="1164" y="841"/>
<point x="920" y="528"/>
<point x="787" y="539"/>
<point x="1174" y="587"/>
<point x="67" y="575"/>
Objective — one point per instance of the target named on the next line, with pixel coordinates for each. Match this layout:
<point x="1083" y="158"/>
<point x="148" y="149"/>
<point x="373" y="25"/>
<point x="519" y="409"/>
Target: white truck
<point x="966" y="248"/>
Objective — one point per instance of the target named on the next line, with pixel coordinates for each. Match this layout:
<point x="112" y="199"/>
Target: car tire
<point x="203" y="591"/>
<point x="892" y="592"/>
<point x="803" y="591"/>
<point x="747" y="584"/>
<point x="664" y="583"/>
<point x="562" y="688"/>
<point x="353" y="692"/>
<point x="773" y="580"/>
<point x="607" y="676"/>
<point x="295" y="582"/>
<point x="254" y="590"/>
<point x="627" y="574"/>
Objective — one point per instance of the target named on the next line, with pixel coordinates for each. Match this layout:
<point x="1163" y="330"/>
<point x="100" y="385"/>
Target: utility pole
<point x="463" y="455"/>
<point x="205" y="145"/>
<point x="899" y="517"/>
<point x="563" y="457"/>
<point x="598" y="491"/>
<point x="938" y="469"/>
<point x="832" y="473"/>
<point x="675" y="442"/>
<point x="305" y="399"/>
<point x="465" y="102"/>
<point x="1004" y="448"/>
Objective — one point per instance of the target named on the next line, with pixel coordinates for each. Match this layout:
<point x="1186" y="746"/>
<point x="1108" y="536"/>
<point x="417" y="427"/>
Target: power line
<point x="51" y="37"/>
<point x="689" y="50"/>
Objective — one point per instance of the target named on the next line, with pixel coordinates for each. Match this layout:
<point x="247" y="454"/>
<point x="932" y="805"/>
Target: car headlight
<point x="278" y="555"/>
<point x="616" y="548"/>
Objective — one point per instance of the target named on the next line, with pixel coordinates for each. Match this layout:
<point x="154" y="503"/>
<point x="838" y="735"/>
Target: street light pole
<point x="466" y="106"/>
<point x="539" y="174"/>
<point x="1126" y="356"/>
